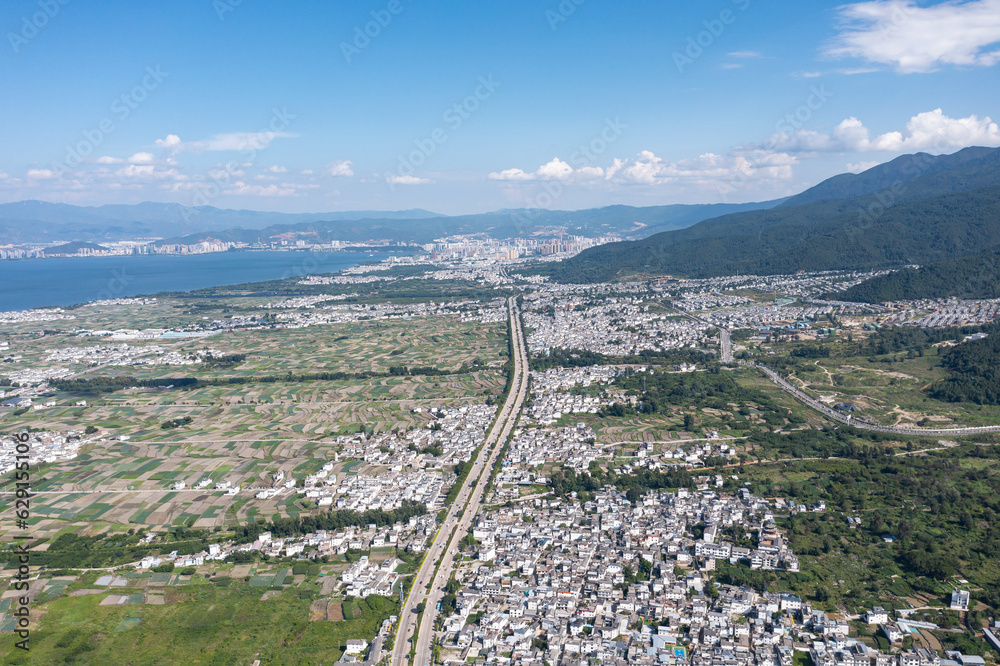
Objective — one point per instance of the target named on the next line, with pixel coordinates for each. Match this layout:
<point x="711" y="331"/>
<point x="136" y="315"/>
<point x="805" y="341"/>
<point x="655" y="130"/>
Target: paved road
<point x="445" y="544"/>
<point x="725" y="340"/>
<point x="807" y="400"/>
<point x="726" y="356"/>
<point x="725" y="346"/>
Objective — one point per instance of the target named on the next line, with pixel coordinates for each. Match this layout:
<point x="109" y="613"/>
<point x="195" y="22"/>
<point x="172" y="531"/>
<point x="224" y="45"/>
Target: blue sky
<point x="463" y="107"/>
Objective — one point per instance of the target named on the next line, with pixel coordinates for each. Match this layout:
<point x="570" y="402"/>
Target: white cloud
<point x="911" y="38"/>
<point x="646" y="168"/>
<point x="242" y="189"/>
<point x="224" y="173"/>
<point x="746" y="54"/>
<point x="171" y="142"/>
<point x="406" y="180"/>
<point x="929" y="130"/>
<point x="107" y="159"/>
<point x="555" y="169"/>
<point x="706" y="170"/>
<point x="860" y="166"/>
<point x="307" y="172"/>
<point x="148" y="172"/>
<point x="851" y="71"/>
<point x="141" y="158"/>
<point x="341" y="168"/>
<point x="510" y="174"/>
<point x="233" y="141"/>
<point x="808" y="75"/>
<point x="277" y="169"/>
<point x="41" y="174"/>
<point x="731" y="65"/>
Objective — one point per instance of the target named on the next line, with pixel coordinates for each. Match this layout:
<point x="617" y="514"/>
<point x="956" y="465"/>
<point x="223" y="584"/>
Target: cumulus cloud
<point x="170" y="142"/>
<point x="240" y="188"/>
<point x="107" y="159"/>
<point x="555" y="169"/>
<point x="646" y="168"/>
<point x="860" y="166"/>
<point x="341" y="168"/>
<point x="225" y="172"/>
<point x="406" y="180"/>
<point x="928" y="130"/>
<point x="707" y="169"/>
<point x="277" y="169"/>
<point x="141" y="158"/>
<point x="148" y="172"/>
<point x="233" y="141"/>
<point x="910" y="38"/>
<point x="41" y="174"/>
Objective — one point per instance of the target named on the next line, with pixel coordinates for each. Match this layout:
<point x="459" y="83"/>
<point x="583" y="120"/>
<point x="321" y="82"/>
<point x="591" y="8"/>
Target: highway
<point x="445" y="544"/>
<point x="726" y="356"/>
<point x="725" y="346"/>
<point x="725" y="340"/>
<point x="807" y="400"/>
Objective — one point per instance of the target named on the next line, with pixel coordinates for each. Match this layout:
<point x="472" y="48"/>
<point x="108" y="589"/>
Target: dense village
<point x="608" y="576"/>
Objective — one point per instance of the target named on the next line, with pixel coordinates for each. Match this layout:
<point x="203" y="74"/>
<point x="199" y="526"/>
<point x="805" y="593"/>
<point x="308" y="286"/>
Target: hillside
<point x="977" y="276"/>
<point x="827" y="234"/>
<point x="968" y="169"/>
<point x="73" y="248"/>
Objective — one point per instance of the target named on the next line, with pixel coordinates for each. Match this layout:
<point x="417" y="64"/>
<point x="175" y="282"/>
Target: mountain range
<point x="41" y="221"/>
<point x="915" y="209"/>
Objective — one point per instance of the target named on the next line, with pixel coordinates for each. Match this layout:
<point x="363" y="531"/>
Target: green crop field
<point x="200" y="624"/>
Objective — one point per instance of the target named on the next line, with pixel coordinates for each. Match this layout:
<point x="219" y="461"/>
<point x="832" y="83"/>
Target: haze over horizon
<point x="562" y="105"/>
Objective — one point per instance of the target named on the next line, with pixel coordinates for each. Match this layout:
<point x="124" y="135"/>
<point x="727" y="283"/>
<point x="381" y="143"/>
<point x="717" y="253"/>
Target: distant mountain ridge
<point x="73" y="247"/>
<point x="968" y="169"/>
<point x="39" y="222"/>
<point x="947" y="208"/>
<point x="594" y="222"/>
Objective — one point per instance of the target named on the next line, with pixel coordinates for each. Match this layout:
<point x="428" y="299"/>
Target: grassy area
<point x="890" y="385"/>
<point x="204" y="624"/>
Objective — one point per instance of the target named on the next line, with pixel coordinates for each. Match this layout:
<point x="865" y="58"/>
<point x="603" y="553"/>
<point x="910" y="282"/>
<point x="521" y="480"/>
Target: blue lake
<point x="34" y="283"/>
